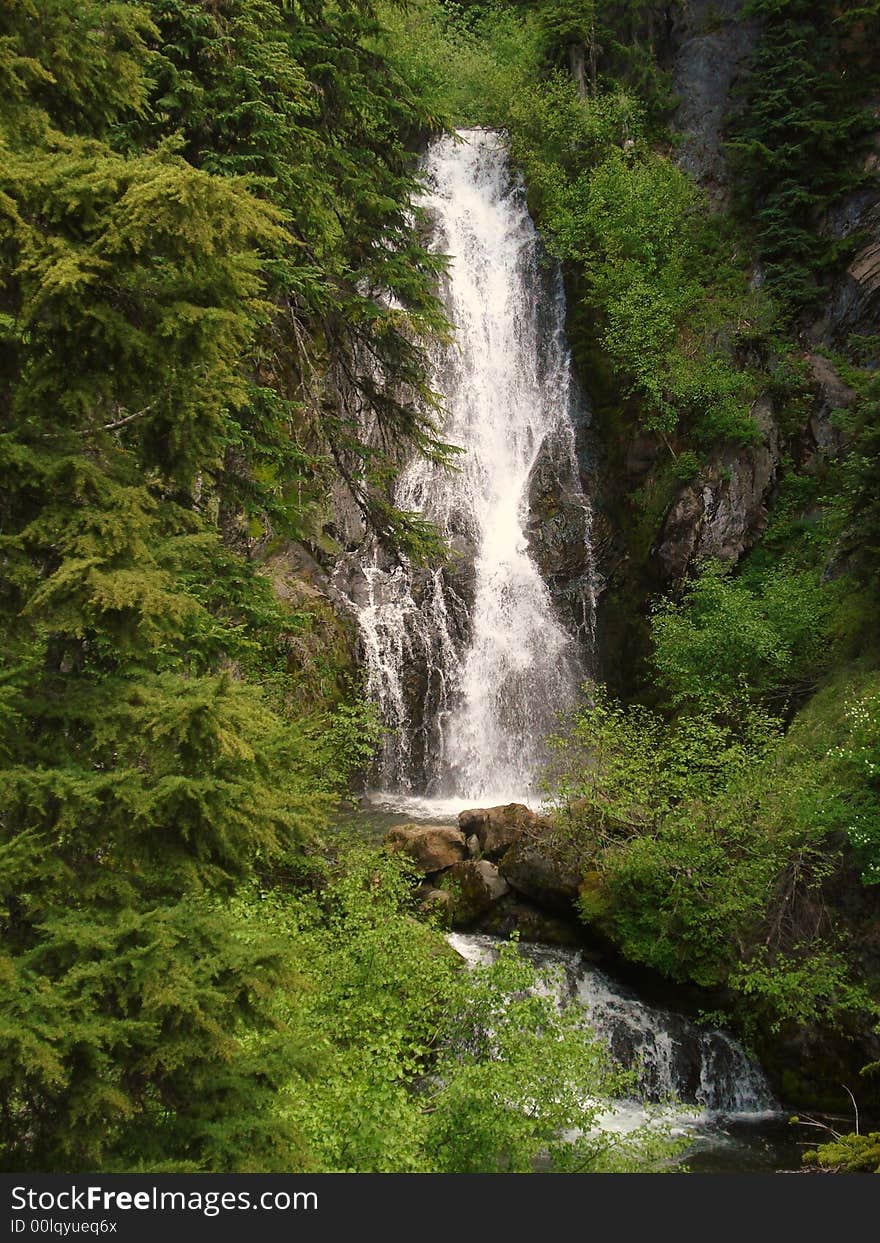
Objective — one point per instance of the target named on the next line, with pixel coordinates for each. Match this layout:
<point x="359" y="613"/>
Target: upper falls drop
<point x="472" y="662"/>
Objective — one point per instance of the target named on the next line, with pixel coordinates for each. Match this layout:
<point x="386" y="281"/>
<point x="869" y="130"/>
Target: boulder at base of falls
<point x="437" y="903"/>
<point x="432" y="847"/>
<point x="513" y="914"/>
<point x="498" y="828"/>
<point x="534" y="869"/>
<point x="473" y="885"/>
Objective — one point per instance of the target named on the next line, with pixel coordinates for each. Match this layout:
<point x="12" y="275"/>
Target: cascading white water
<point x="673" y="1058"/>
<point x="471" y="665"/>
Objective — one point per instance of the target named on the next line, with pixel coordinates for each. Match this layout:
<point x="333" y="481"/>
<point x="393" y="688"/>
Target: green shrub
<point x="724" y="642"/>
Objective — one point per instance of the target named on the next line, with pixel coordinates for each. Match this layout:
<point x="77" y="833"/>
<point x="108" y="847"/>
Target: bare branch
<point x="129" y="418"/>
<point x="855" y="1106"/>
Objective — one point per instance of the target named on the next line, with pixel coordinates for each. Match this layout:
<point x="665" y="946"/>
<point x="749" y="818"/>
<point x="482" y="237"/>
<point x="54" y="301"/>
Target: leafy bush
<point x="848" y="1154"/>
<point x="639" y="233"/>
<point x="725" y="643"/>
<point x="857" y="761"/>
<point x="615" y="770"/>
<point x="468" y="63"/>
<point x="423" y="1066"/>
<point x="712" y="845"/>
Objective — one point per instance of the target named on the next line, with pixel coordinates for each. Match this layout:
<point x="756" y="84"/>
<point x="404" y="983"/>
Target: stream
<point x="714" y="1094"/>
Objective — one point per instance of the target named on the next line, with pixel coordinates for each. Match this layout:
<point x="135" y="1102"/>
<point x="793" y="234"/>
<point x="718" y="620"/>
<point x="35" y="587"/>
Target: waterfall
<point x="673" y="1058"/>
<point x="471" y="662"/>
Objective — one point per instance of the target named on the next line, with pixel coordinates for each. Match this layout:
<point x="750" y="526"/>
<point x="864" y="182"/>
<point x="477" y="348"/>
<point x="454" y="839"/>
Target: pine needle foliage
<point x="201" y="329"/>
<point x="801" y="134"/>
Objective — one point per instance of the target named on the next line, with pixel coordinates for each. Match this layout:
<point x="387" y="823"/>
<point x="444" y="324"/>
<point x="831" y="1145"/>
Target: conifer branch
<point x="129" y="418"/>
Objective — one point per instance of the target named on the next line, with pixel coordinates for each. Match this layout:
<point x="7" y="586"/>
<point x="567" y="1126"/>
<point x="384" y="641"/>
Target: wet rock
<point x="432" y="847"/>
<point x="497" y="828"/>
<point x="536" y="869"/>
<point x="470" y="819"/>
<point x="511" y="914"/>
<point x="721" y="515"/>
<point x="437" y="903"/>
<point x="473" y="845"/>
<point x="473" y="886"/>
<point x="558" y="529"/>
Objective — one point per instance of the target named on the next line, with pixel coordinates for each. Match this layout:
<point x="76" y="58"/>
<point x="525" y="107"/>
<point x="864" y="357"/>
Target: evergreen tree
<point x="293" y="97"/>
<point x="161" y="318"/>
<point x="799" y="136"/>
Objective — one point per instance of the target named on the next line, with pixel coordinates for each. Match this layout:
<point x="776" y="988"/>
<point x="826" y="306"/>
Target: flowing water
<point x="471" y="663"/>
<point x="713" y="1092"/>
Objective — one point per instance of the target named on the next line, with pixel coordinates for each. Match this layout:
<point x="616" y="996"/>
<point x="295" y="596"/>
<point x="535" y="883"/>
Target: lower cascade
<point x="471" y="663"/>
<point x="674" y="1059"/>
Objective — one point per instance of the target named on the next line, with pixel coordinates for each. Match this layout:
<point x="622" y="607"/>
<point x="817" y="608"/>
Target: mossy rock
<point x="593" y="899"/>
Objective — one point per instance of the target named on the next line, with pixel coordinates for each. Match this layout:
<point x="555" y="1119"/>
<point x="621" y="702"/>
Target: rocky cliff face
<point x="854" y="303"/>
<point x="651" y="530"/>
<point x="711" y="45"/>
<point x="723" y="513"/>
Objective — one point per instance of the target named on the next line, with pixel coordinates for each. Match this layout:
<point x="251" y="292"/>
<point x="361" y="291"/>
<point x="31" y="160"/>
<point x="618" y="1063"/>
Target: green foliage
<point x="646" y="261"/>
<point x="342" y="743"/>
<point x="124" y="1039"/>
<point x="424" y="1066"/>
<point x="468" y="63"/>
<point x="657" y="272"/>
<point x="857" y="763"/>
<point x="602" y="768"/>
<point x="857" y="500"/>
<point x="376" y="982"/>
<point x="183" y="320"/>
<point x="848" y="1154"/>
<point x="339" y="368"/>
<point x="687" y="466"/>
<point x="712" y="845"/>
<point x="724" y="643"/>
<point x="609" y="45"/>
<point x="616" y="770"/>
<point x="813" y="984"/>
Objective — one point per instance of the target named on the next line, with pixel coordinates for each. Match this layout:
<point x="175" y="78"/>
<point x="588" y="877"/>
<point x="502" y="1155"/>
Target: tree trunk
<point x="594" y="59"/>
<point x="577" y="62"/>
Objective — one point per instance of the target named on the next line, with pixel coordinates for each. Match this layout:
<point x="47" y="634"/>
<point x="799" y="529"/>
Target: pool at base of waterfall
<point x="442" y="810"/>
<point x="700" y="1079"/>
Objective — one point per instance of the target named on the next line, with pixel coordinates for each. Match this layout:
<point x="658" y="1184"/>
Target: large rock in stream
<point x="530" y="922"/>
<point x="432" y="847"/>
<point x="474" y="886"/>
<point x="529" y="859"/>
<point x="497" y="828"/>
<point x="496" y="857"/>
<point x="535" y="869"/>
